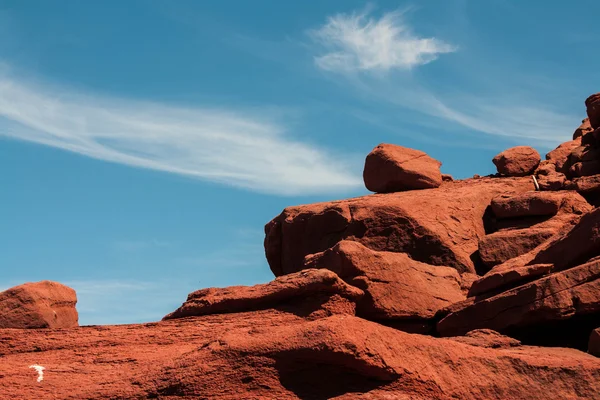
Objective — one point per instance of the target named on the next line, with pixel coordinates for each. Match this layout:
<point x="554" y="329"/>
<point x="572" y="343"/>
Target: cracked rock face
<point x="44" y="304"/>
<point x="436" y="226"/>
<point x="391" y="168"/>
<point x="397" y="288"/>
<point x="558" y="296"/>
<point x="312" y="292"/>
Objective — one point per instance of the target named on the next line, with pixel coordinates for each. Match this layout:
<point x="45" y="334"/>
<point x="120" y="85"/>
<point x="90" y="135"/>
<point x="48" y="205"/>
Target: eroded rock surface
<point x="397" y="288"/>
<point x="273" y="354"/>
<point x="44" y="304"/>
<point x="435" y="226"/>
<point x="312" y="292"/>
<point x="391" y="168"/>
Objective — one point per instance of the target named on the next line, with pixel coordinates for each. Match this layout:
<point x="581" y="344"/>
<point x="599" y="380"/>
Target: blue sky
<point x="144" y="144"/>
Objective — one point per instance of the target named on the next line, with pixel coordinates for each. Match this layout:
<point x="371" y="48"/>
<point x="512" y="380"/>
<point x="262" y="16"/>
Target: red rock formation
<point x="270" y="354"/>
<point x="512" y="240"/>
<point x="313" y="292"/>
<point x="398" y="289"/>
<point x="583" y="129"/>
<point x="559" y="296"/>
<point x="42" y="304"/>
<point x="350" y="271"/>
<point x="592" y="104"/>
<point x="594" y="343"/>
<point x="517" y="161"/>
<point x="391" y="168"/>
<point x="437" y="226"/>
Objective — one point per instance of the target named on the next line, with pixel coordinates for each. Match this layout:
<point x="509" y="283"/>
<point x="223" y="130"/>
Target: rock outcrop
<point x="434" y="288"/>
<point x="517" y="161"/>
<point x="399" y="291"/>
<point x="524" y="221"/>
<point x="431" y="226"/>
<point x="42" y="304"/>
<point x="312" y="292"/>
<point x="391" y="168"/>
<point x="270" y="354"/>
<point x="592" y="104"/>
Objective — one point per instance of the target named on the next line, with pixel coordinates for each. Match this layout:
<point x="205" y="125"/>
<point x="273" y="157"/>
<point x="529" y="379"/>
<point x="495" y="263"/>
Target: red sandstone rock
<point x="538" y="203"/>
<point x="560" y="155"/>
<point x="583" y="129"/>
<point x="447" y="178"/>
<point x="592" y="104"/>
<point x="502" y="246"/>
<point x="397" y="287"/>
<point x="587" y="184"/>
<point x="391" y="168"/>
<point x="594" y="343"/>
<point x="270" y="354"/>
<point x="438" y="227"/>
<point x="42" y="304"/>
<point x="314" y="292"/>
<point x="517" y="161"/>
<point x="579" y="244"/>
<point x="487" y="338"/>
<point x="513" y="241"/>
<point x="559" y="296"/>
<point x="513" y="277"/>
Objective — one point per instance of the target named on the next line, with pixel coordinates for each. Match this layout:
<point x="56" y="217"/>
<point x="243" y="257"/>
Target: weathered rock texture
<point x="391" y="168"/>
<point x="436" y="226"/>
<point x="42" y="304"/>
<point x="313" y="292"/>
<point x="592" y="104"/>
<point x="524" y="221"/>
<point x="517" y="161"/>
<point x="272" y="354"/>
<point x="398" y="289"/>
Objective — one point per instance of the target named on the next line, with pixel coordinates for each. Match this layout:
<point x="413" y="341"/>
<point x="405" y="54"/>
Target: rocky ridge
<point x="432" y="288"/>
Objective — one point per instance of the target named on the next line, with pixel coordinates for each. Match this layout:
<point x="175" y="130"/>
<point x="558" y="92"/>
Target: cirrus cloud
<point x="357" y="42"/>
<point x="228" y="146"/>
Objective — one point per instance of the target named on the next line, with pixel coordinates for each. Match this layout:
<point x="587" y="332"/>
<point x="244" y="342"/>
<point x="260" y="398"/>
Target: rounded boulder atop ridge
<point x="390" y="168"/>
<point x="517" y="161"/>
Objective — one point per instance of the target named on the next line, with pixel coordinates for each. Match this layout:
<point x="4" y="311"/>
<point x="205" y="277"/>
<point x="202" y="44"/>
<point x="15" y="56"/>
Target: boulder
<point x="396" y="287"/>
<point x="594" y="343"/>
<point x="592" y="104"/>
<point x="517" y="161"/>
<point x="44" y="304"/>
<point x="559" y="296"/>
<point x="583" y="129"/>
<point x="438" y="227"/>
<point x="560" y="156"/>
<point x="391" y="168"/>
<point x="313" y="292"/>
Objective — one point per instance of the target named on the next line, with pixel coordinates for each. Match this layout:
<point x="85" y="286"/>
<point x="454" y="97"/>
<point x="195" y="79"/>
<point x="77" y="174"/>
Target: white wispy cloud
<point x="359" y="42"/>
<point x="495" y="104"/>
<point x="248" y="150"/>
